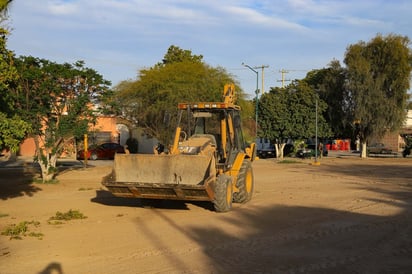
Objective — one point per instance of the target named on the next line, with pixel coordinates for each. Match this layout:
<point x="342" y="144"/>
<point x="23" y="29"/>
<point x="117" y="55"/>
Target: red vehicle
<point x="103" y="151"/>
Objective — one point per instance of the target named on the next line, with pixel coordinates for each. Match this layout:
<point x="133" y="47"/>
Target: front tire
<point x="223" y="193"/>
<point x="245" y="183"/>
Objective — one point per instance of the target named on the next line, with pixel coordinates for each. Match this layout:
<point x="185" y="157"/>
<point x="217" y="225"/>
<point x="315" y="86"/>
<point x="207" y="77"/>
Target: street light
<point x="317" y="163"/>
<point x="256" y="92"/>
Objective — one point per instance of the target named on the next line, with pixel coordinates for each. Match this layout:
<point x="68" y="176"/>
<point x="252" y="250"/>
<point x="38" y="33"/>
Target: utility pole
<point x="283" y="80"/>
<point x="256" y="92"/>
<point x="263" y="75"/>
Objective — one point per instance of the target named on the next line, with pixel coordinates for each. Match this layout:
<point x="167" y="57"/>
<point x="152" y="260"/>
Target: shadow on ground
<point x="17" y="175"/>
<point x="105" y="197"/>
<point x="16" y="182"/>
<point x="294" y="239"/>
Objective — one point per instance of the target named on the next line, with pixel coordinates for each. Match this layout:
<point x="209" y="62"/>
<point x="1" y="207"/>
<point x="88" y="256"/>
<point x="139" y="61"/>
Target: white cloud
<point x="260" y="19"/>
<point x="62" y="8"/>
<point x="121" y="36"/>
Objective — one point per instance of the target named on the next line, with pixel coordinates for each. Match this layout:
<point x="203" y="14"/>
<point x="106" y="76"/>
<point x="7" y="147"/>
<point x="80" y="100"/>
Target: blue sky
<point x="120" y="37"/>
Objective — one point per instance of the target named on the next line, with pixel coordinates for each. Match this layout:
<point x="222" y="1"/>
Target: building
<point x="395" y="140"/>
<point x="106" y="129"/>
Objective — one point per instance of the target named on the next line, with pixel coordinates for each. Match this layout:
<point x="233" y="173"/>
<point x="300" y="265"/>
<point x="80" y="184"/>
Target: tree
<point x="176" y="55"/>
<point x="409" y="105"/>
<point x="12" y="128"/>
<point x="58" y="101"/>
<point x="378" y="78"/>
<point x="290" y="113"/>
<point x="13" y="131"/>
<point x="151" y="101"/>
<point x="329" y="84"/>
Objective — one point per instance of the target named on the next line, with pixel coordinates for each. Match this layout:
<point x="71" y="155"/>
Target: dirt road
<point x="345" y="216"/>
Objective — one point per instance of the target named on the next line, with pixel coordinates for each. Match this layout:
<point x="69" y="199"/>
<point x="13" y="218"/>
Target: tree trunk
<point x="363" y="153"/>
<point x="47" y="164"/>
<point x="279" y="150"/>
<point x="46" y="160"/>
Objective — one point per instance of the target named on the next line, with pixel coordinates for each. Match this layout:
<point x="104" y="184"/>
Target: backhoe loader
<point x="207" y="161"/>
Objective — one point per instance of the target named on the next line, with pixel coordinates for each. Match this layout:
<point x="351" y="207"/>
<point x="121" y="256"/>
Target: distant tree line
<point x="365" y="99"/>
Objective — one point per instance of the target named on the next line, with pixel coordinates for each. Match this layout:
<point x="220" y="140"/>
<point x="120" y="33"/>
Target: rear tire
<point x="223" y="194"/>
<point x="245" y="183"/>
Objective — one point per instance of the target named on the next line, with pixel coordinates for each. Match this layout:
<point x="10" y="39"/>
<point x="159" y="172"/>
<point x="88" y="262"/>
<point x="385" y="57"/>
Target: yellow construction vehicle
<point x="208" y="160"/>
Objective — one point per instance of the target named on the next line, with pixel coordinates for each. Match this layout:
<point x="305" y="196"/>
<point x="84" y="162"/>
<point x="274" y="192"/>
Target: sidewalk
<point x="15" y="161"/>
<point x="27" y="161"/>
<point x="354" y="153"/>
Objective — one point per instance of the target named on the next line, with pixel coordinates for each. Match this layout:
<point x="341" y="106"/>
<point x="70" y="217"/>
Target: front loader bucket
<point x="161" y="169"/>
<point x="175" y="177"/>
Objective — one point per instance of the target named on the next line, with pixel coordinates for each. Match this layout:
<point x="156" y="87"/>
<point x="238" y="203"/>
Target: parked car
<point x="379" y="148"/>
<point x="103" y="151"/>
<point x="309" y="151"/>
<point x="265" y="148"/>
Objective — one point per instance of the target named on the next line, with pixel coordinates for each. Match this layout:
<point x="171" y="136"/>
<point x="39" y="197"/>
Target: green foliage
<point x="85" y="188"/>
<point x="368" y="98"/>
<point x="181" y="77"/>
<point x="248" y="118"/>
<point x="409" y="105"/>
<point x="290" y="113"/>
<point x="67" y="216"/>
<point x="21" y="229"/>
<point x="13" y="130"/>
<point x="53" y="181"/>
<point x="9" y="74"/>
<point x="176" y="55"/>
<point x="58" y="101"/>
<point x="408" y="141"/>
<point x="60" y="95"/>
<point x="289" y="161"/>
<point x="378" y="78"/>
<point x="329" y="85"/>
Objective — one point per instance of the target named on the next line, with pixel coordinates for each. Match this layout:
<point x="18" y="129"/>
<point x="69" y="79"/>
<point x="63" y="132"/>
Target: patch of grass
<point x="36" y="234"/>
<point x="40" y="181"/>
<point x="21" y="230"/>
<point x="67" y="216"/>
<point x="85" y="189"/>
<point x="3" y="215"/>
<point x="55" y="222"/>
<point x="288" y="161"/>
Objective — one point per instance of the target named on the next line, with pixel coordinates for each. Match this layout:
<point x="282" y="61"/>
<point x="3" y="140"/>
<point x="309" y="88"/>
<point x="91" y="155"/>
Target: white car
<point x="379" y="148"/>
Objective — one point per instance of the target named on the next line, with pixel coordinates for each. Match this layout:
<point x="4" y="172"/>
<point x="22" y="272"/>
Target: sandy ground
<point x="345" y="216"/>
